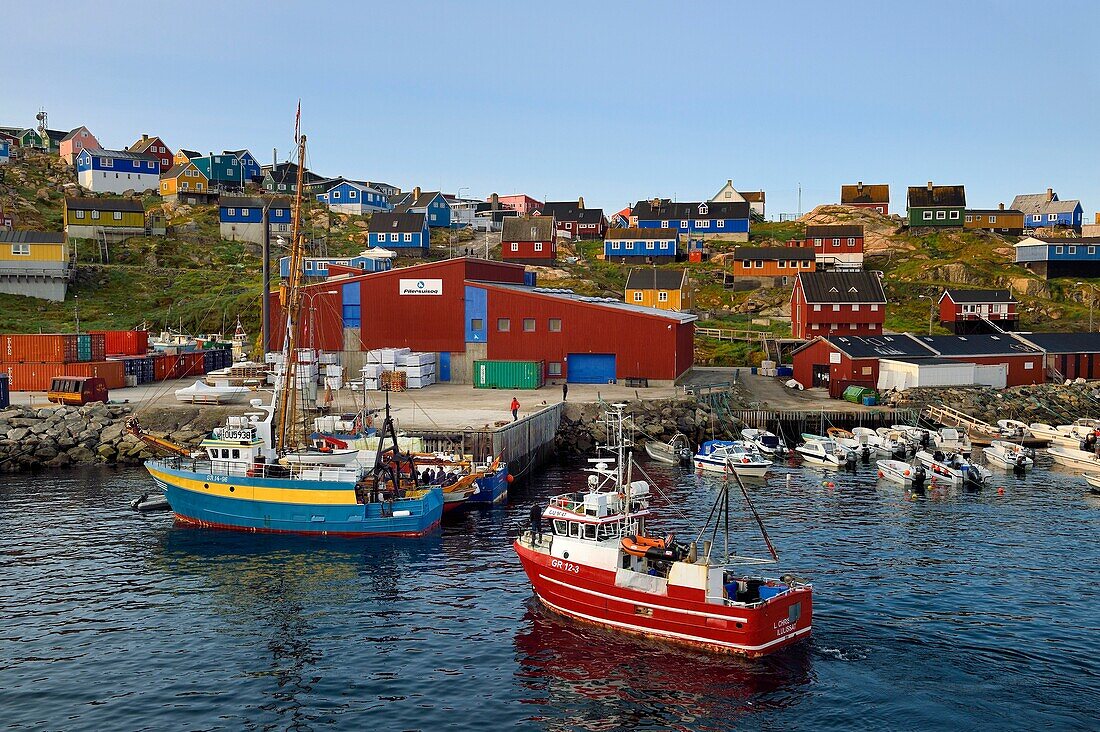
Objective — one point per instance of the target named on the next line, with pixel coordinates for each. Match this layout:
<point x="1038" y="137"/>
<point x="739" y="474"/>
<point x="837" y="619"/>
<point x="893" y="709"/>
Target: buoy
<point x="509" y="478"/>
<point x="1000" y="491"/>
<point x="882" y="476"/>
<point x="906" y="473"/>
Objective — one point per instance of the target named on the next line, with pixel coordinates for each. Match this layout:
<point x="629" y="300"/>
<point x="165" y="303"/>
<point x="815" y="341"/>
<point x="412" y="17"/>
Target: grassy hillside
<point x="207" y="281"/>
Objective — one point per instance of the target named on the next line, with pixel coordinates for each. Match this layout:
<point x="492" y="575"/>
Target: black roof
<point x="253" y="202"/>
<point x="928" y="361"/>
<point x="396" y="222"/>
<point x="965" y="296"/>
<point x="104" y="204"/>
<point x="628" y="233"/>
<point x="842" y="287"/>
<point x="1064" y="342"/>
<point x="570" y="211"/>
<point x="667" y="210"/>
<point x="652" y="278"/>
<point x="994" y="211"/>
<point x="981" y="344"/>
<point x="827" y="231"/>
<point x="800" y="253"/>
<point x="930" y="195"/>
<point x="32" y="237"/>
<point x="528" y="228"/>
<point x="883" y="346"/>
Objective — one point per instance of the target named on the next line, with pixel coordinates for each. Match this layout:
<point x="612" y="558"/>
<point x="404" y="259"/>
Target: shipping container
<point x="508" y="374"/>
<point x="162" y="366"/>
<point x="124" y="342"/>
<point x="84" y="347"/>
<point x="38" y="348"/>
<point x="31" y="376"/>
<point x="99" y="346"/>
<point x="5" y="391"/>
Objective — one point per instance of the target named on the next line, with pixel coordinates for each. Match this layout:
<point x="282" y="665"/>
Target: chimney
<point x="580" y="203"/>
<point x="416" y="194"/>
<point x="495" y="200"/>
<point x="1000" y="206"/>
<point x="729" y="182"/>
<point x="144" y="137"/>
<point x="274" y="159"/>
<point x="1050" y="195"/>
<point x="929" y="185"/>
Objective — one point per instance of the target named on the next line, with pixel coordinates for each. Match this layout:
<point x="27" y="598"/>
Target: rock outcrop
<point x="1049" y="403"/>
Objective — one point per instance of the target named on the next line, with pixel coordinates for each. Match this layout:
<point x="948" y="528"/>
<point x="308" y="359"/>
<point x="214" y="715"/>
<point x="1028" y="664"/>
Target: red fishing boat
<point x="596" y="563"/>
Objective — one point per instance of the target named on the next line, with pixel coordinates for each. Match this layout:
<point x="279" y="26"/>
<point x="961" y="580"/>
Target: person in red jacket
<point x="515" y="409"/>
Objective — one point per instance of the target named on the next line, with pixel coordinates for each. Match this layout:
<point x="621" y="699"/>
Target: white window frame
<point x="836" y="308"/>
<point x="1058" y="250"/>
<point x="992" y="219"/>
<point x="614" y="245"/>
<point x="408" y="237"/>
<point x="649" y="245"/>
<point x="231" y="212"/>
<point x="836" y="242"/>
<point x="515" y="246"/>
<point x="969" y="218"/>
<point x="954" y="215"/>
<point x="874" y="308"/>
<point x="855" y="307"/>
<point x="538" y="246"/>
<point x="1072" y="250"/>
<point x="335" y="195"/>
<point x="941" y="215"/>
<point x="394" y="237"/>
<point x="927" y="215"/>
<point x="80" y="214"/>
<point x="638" y="296"/>
<point x="21" y="249"/>
<point x="683" y="223"/>
<point x="817" y="308"/>
<point x="851" y="241"/>
<point x="95" y="215"/>
<point x="118" y="216"/>
<point x="720" y="224"/>
<point x="662" y="296"/>
<point x="352" y="194"/>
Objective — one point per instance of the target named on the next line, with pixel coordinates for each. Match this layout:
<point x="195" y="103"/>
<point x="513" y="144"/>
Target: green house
<point x="30" y="138"/>
<point x="933" y="205"/>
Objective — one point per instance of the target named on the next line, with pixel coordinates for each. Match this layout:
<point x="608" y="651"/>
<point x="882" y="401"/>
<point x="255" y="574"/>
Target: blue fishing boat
<point x="492" y="485"/>
<point x="257" y="474"/>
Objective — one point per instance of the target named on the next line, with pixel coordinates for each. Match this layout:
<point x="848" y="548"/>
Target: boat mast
<point x="292" y="300"/>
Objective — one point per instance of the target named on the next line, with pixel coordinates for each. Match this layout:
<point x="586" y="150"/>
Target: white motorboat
<point x="768" y="443"/>
<point x="202" y="393"/>
<point x="915" y="436"/>
<point x="320" y="456"/>
<point x="1076" y="459"/>
<point x="826" y="452"/>
<point x="1013" y="429"/>
<point x="1094" y="483"/>
<point x="722" y="456"/>
<point x="949" y="439"/>
<point x="848" y="440"/>
<point x="676" y="451"/>
<point x="1008" y="455"/>
<point x="902" y="472"/>
<point x="890" y="444"/>
<point x="1063" y="434"/>
<point x="953" y="468"/>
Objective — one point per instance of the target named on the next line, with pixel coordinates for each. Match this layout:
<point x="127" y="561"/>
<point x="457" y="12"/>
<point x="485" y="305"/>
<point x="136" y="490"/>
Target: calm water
<point x="951" y="610"/>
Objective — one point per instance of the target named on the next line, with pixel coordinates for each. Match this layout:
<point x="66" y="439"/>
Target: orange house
<point x="184" y="180"/>
<point x="776" y="262"/>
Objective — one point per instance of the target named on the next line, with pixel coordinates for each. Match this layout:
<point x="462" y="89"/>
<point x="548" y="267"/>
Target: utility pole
<point x="265" y="306"/>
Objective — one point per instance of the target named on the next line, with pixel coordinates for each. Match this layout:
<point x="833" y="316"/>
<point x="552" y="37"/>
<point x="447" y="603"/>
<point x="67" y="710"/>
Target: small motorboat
<point x="827" y="453"/>
<point x="202" y="393"/>
<point x="146" y="503"/>
<point x="724" y="456"/>
<point x="676" y="451"/>
<point x="890" y="444"/>
<point x="845" y="439"/>
<point x="1078" y="459"/>
<point x="953" y="468"/>
<point x="768" y="443"/>
<point x="1063" y="434"/>
<point x="1013" y="429"/>
<point x="949" y="439"/>
<point x="1008" y="455"/>
<point x="902" y="472"/>
<point x="1094" y="483"/>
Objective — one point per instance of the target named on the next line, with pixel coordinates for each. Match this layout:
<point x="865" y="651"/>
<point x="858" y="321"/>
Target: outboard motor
<point x="920" y="476"/>
<point x="900" y="452"/>
<point x="850" y="460"/>
<point x="1021" y="465"/>
<point x="924" y="438"/>
<point x="938" y="456"/>
<point x="865" y="455"/>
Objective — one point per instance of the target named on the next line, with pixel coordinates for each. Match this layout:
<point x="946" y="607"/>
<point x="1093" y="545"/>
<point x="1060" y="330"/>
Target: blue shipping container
<point x="5" y="391"/>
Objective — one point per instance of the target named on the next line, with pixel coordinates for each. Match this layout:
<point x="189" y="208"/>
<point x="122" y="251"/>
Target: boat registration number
<point x="565" y="566"/>
<point x="217" y="479"/>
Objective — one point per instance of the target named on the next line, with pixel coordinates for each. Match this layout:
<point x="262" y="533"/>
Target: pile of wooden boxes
<point x="397" y="369"/>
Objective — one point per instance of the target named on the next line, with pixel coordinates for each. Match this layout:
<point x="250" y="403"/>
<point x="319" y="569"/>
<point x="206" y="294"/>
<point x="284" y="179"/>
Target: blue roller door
<point x="591" y="368"/>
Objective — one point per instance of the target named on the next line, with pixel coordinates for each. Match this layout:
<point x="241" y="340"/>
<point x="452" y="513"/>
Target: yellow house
<point x="34" y="264"/>
<point x="183" y="178"/>
<point x="184" y="156"/>
<point x="89" y="218"/>
<point x="665" y="289"/>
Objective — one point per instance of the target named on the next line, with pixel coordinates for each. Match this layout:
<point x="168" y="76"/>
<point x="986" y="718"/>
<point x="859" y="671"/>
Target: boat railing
<point x="229" y="468"/>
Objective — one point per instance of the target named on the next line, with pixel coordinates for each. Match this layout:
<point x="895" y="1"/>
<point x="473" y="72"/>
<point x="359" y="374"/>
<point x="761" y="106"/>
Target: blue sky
<point x="612" y="101"/>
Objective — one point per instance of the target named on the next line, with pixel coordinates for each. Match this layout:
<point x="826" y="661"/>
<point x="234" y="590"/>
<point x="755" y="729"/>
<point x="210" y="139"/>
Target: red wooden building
<point x="529" y="240"/>
<point x="1024" y="360"/>
<point x="471" y="309"/>
<point x="837" y="362"/>
<point x="154" y="146"/>
<point x="979" y="311"/>
<point x="875" y="197"/>
<point x="572" y="220"/>
<point x="836" y="245"/>
<point x="837" y="303"/>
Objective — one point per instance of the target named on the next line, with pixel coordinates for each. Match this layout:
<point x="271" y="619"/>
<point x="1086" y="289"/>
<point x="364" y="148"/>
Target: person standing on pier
<point x="564" y="390"/>
<point x="515" y="409"/>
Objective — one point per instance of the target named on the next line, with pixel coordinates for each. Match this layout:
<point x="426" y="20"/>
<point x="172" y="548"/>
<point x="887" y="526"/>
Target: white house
<point x="117" y="171"/>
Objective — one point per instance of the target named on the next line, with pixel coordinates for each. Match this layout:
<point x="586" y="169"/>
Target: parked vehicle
<point x="76" y="391"/>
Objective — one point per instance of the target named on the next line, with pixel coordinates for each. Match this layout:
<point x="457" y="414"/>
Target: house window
<point x="927" y="215"/>
<point x="662" y="296"/>
<point x="851" y="241"/>
<point x="538" y="246"/>
<point x="867" y="370"/>
<point x="1092" y="250"/>
<point x="80" y="214"/>
<point x="855" y="308"/>
<point x="649" y="245"/>
<point x="955" y="215"/>
<point x="150" y="165"/>
<point x="381" y="238"/>
<point x="817" y="308"/>
<point x="836" y="308"/>
<point x="515" y="246"/>
<point x="393" y="237"/>
<point x="477" y="324"/>
<point x="504" y="325"/>
<point x="1072" y="250"/>
<point x="637" y="297"/>
<point x="351" y="194"/>
<point x="836" y="242"/>
<point x="720" y="223"/>
<point x="1052" y="217"/>
<point x="408" y="237"/>
<point x="232" y="212"/>
<point x="1029" y="365"/>
<point x="107" y="162"/>
<point x="282" y="187"/>
<point x="1057" y="250"/>
<point x="992" y="219"/>
<point x="782" y="264"/>
<point x="528" y="325"/>
<point x="969" y="218"/>
<point x="118" y="216"/>
<point x="554" y="368"/>
<point x="941" y="215"/>
<point x="614" y="245"/>
<point x="22" y="249"/>
<point x="336" y="194"/>
<point x="664" y="224"/>
<point x="683" y="224"/>
<point x="874" y="308"/>
<point x="759" y="264"/>
<point x="555" y="325"/>
<point x="95" y="215"/>
<point x="700" y="224"/>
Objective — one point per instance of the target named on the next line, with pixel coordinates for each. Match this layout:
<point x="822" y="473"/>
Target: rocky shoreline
<point x="1049" y="403"/>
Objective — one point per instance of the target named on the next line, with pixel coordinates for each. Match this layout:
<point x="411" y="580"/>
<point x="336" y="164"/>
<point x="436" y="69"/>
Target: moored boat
<point x="1093" y="482"/>
<point x="1008" y="455"/>
<point x="826" y="453"/>
<point x="902" y="472"/>
<point x="677" y="451"/>
<point x="1077" y="459"/>
<point x="949" y="439"/>
<point x="767" y="443"/>
<point x="889" y="444"/>
<point x="598" y="564"/>
<point x="1013" y="429"/>
<point x="726" y="456"/>
<point x="953" y="468"/>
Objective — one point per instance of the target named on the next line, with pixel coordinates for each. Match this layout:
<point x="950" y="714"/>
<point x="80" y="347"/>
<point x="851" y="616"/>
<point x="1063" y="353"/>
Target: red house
<point x="837" y="362"/>
<point x="529" y="240"/>
<point x="154" y="146"/>
<point x="875" y="197"/>
<point x="836" y="245"/>
<point x="573" y="220"/>
<point x="837" y="303"/>
<point x="978" y="311"/>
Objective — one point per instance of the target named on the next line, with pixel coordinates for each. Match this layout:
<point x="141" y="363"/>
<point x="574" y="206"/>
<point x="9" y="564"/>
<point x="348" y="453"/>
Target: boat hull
<point x="285" y="506"/>
<point x="747" y="471"/>
<point x="590" y="595"/>
<point x="492" y="488"/>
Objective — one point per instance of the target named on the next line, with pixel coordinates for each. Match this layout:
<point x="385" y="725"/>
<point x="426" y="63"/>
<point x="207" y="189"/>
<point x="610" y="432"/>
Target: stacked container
<point x="32" y="361"/>
<point x="5" y="391"/>
<point x="124" y="342"/>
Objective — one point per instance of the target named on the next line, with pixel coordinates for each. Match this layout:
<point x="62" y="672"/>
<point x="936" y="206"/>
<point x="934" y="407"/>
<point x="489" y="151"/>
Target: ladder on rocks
<point x="951" y="417"/>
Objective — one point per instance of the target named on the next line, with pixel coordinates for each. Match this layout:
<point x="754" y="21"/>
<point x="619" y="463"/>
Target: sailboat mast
<point x="292" y="302"/>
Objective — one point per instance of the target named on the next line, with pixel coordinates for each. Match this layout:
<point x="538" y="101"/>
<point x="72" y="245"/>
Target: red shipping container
<point x="125" y="342"/>
<point x="99" y="346"/>
<point x="38" y="348"/>
<point x="162" y="366"/>
<point x="113" y="373"/>
<point x="31" y="376"/>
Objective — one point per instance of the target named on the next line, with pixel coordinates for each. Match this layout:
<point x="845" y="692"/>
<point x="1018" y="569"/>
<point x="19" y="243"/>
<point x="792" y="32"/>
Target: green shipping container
<point x="855" y="393"/>
<point x="508" y="374"/>
<point x="83" y="348"/>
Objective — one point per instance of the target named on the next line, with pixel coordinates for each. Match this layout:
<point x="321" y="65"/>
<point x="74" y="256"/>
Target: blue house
<point x="404" y="232"/>
<point x="354" y="198"/>
<point x="1044" y="210"/>
<point x="317" y="267"/>
<point x="117" y="171"/>
<point x="707" y="219"/>
<point x="249" y="167"/>
<point x="1059" y="257"/>
<point x="432" y="204"/>
<point x="5" y="151"/>
<point x="241" y="217"/>
<point x="223" y="171"/>
<point x="631" y="245"/>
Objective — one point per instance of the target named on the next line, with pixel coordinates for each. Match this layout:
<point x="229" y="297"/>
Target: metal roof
<point x="799" y="253"/>
<point x="969" y="296"/>
<point x="1063" y="342"/>
<point x="607" y="302"/>
<point x="842" y="287"/>
<point x="981" y="344"/>
<point x="860" y="193"/>
<point x="528" y="228"/>
<point x="104" y="204"/>
<point x="652" y="278"/>
<point x="884" y="346"/>
<point x="32" y="237"/>
<point x="119" y="154"/>
<point x="642" y="234"/>
<point x="826" y="231"/>
<point x="253" y="202"/>
<point x="396" y="222"/>
<point x="930" y="195"/>
<point x="667" y="210"/>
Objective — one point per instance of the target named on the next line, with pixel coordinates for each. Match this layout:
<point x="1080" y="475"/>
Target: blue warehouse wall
<point x="476" y="309"/>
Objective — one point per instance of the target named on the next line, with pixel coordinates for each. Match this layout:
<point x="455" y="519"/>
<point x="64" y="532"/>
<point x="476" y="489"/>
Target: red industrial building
<point x="837" y="303"/>
<point x="529" y="240"/>
<point x="978" y="311"/>
<point x="472" y="309"/>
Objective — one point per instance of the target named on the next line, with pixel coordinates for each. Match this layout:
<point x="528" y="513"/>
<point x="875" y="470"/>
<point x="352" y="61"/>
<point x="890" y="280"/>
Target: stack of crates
<point x="419" y="369"/>
<point x="217" y="359"/>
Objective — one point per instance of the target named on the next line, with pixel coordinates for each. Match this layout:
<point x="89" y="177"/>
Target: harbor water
<point x="948" y="610"/>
